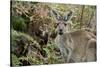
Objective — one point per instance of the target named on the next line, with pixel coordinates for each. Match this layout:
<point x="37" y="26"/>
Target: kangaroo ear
<point x="56" y="14"/>
<point x="68" y="16"/>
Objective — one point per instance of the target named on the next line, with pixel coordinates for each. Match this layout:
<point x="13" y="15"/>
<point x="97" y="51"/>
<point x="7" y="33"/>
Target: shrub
<point x="15" y="60"/>
<point x="18" y="23"/>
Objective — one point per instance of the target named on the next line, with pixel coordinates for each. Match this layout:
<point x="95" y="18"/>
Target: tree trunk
<point x="81" y="16"/>
<point x="92" y="15"/>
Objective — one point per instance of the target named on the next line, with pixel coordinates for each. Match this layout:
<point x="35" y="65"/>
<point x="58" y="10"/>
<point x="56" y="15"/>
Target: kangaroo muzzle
<point x="60" y="31"/>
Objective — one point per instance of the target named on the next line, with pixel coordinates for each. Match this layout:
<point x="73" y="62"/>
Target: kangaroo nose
<point x="60" y="30"/>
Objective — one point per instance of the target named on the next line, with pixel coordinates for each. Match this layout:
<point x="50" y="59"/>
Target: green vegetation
<point x="22" y="42"/>
<point x="18" y="23"/>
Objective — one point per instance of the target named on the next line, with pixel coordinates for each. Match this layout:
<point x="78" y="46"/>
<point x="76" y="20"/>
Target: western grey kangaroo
<point x="76" y="46"/>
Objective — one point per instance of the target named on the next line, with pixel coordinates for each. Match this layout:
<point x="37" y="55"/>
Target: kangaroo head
<point x="62" y="22"/>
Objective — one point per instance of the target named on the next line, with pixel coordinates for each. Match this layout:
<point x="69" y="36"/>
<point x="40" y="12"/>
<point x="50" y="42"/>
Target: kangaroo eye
<point x="65" y="24"/>
<point x="56" y="24"/>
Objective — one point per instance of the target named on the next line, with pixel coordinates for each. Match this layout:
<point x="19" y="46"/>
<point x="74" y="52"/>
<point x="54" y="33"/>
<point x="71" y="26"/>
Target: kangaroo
<point x="76" y="46"/>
